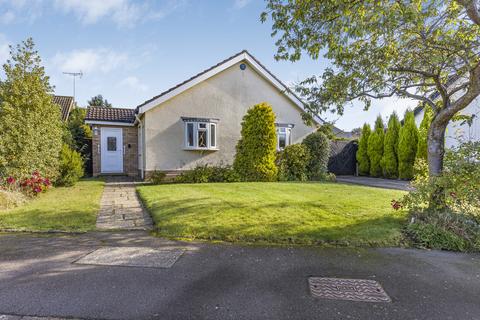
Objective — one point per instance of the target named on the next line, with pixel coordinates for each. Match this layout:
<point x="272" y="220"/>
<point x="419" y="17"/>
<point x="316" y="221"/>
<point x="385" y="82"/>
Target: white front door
<point x="111" y="150"/>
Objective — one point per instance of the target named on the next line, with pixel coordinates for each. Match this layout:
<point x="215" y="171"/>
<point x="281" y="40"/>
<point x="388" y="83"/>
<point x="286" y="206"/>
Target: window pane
<point x="213" y="141"/>
<point x="190" y="136"/>
<point x="282" y="140"/>
<point x="111" y="143"/>
<point x="202" y="125"/>
<point x="202" y="139"/>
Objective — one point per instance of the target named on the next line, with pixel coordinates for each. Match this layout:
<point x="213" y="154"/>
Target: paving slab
<point x="132" y="257"/>
<point x="120" y="207"/>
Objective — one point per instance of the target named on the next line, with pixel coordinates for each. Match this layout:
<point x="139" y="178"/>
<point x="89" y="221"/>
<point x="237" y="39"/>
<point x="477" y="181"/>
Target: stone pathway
<point x="120" y="207"/>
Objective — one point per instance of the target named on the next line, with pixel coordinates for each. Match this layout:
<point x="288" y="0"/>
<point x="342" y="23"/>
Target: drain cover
<point x="132" y="257"/>
<point x="348" y="289"/>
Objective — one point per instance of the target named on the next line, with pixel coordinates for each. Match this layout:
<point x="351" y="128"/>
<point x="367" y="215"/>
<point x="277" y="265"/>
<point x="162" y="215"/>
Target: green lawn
<point x="68" y="209"/>
<point x="300" y="213"/>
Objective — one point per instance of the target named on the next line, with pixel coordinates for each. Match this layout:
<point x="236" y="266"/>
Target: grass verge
<point x="72" y="209"/>
<point x="276" y="213"/>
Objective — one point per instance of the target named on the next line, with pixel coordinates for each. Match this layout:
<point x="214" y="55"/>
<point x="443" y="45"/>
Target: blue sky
<point x="131" y="50"/>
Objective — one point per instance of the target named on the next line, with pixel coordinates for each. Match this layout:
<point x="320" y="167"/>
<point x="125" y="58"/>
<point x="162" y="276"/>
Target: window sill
<point x="200" y="149"/>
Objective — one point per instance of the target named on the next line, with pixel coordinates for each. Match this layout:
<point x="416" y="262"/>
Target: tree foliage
<point x="256" y="149"/>
<point x="292" y="163"/>
<point x="379" y="49"/>
<point x="99" y="101"/>
<point x="71" y="166"/>
<point x="375" y="148"/>
<point x="390" y="147"/>
<point x="318" y="146"/>
<point x="407" y="146"/>
<point x="30" y="123"/>
<point x="423" y="133"/>
<point x="362" y="152"/>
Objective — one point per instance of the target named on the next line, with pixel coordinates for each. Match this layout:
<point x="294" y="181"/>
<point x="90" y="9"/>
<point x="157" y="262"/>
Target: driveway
<point x="376" y="182"/>
<point x="38" y="277"/>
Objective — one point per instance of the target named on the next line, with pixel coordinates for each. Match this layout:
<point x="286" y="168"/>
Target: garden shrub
<point x="423" y="133"/>
<point x="407" y="146"/>
<point x="292" y="163"/>
<point x="375" y="148"/>
<point x="71" y="167"/>
<point x="390" y="148"/>
<point x="318" y="146"/>
<point x="256" y="149"/>
<point x="157" y="177"/>
<point x="32" y="185"/>
<point x="453" y="224"/>
<point x="30" y="123"/>
<point x="205" y="173"/>
<point x="362" y="155"/>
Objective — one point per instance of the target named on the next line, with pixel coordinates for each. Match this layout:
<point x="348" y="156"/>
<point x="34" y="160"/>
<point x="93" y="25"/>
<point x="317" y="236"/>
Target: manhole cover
<point x="348" y="289"/>
<point x="132" y="257"/>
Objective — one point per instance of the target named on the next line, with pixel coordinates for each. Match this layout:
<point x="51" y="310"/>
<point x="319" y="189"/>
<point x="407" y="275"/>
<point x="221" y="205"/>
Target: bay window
<point x="200" y="133"/>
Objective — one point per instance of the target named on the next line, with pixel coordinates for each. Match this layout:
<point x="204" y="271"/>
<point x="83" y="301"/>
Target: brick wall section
<point x="130" y="157"/>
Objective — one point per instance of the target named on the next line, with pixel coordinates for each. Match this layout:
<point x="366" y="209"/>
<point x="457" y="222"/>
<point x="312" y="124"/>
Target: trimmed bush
<point x="423" y="133"/>
<point x="362" y="155"/>
<point x="390" y="148"/>
<point x="407" y="146"/>
<point x="292" y="163"/>
<point x="157" y="177"/>
<point x="318" y="147"/>
<point x="71" y="167"/>
<point x="205" y="173"/>
<point x="30" y="123"/>
<point x="375" y="148"/>
<point x="256" y="149"/>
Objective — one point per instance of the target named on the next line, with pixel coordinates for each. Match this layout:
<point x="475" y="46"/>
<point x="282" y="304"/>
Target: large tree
<point x="422" y="49"/>
<point x="30" y="123"/>
<point x="99" y="101"/>
<point x="375" y="148"/>
<point x="390" y="147"/>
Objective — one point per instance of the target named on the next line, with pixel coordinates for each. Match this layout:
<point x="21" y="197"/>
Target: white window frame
<point x="287" y="130"/>
<point x="196" y="128"/>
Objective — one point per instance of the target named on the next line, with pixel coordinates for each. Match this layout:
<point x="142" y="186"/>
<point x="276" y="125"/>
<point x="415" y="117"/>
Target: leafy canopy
<point x="30" y="123"/>
<point x="99" y="101"/>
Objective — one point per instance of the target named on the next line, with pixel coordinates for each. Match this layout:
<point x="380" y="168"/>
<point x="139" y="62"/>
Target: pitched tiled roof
<point x="110" y="114"/>
<point x="65" y="103"/>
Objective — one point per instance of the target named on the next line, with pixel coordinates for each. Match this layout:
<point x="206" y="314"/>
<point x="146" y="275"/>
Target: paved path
<point x="376" y="182"/>
<point x="120" y="207"/>
<point x="38" y="278"/>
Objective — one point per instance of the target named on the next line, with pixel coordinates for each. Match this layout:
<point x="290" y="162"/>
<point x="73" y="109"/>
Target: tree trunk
<point x="436" y="147"/>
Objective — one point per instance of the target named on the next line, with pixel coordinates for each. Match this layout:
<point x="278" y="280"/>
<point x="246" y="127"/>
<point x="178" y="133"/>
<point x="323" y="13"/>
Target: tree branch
<point x="472" y="10"/>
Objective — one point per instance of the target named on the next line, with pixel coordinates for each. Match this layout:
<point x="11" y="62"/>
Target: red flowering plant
<point x="32" y="185"/>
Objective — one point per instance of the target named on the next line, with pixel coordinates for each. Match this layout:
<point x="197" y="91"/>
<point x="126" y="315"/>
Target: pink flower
<point x="396" y="205"/>
<point x="10" y="180"/>
<point x="37" y="189"/>
<point x="46" y="182"/>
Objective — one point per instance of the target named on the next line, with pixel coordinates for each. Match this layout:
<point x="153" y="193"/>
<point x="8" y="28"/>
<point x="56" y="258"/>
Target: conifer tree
<point x="407" y="146"/>
<point x="375" y="148"/>
<point x="390" y="147"/>
<point x="256" y="149"/>
<point x="30" y="125"/>
<point x="362" y="156"/>
<point x="423" y="133"/>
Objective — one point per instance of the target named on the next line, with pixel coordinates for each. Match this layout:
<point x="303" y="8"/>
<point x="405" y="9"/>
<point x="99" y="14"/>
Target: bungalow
<point x="195" y="122"/>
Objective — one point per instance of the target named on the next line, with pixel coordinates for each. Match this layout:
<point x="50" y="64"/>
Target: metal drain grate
<point x="348" y="289"/>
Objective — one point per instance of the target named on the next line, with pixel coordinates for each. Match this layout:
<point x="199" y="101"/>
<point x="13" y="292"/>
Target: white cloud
<point x="239" y="4"/>
<point x="7" y="17"/>
<point x="89" y="60"/>
<point x="133" y="83"/>
<point x="4" y="49"/>
<point x="125" y="13"/>
<point x="90" y="11"/>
